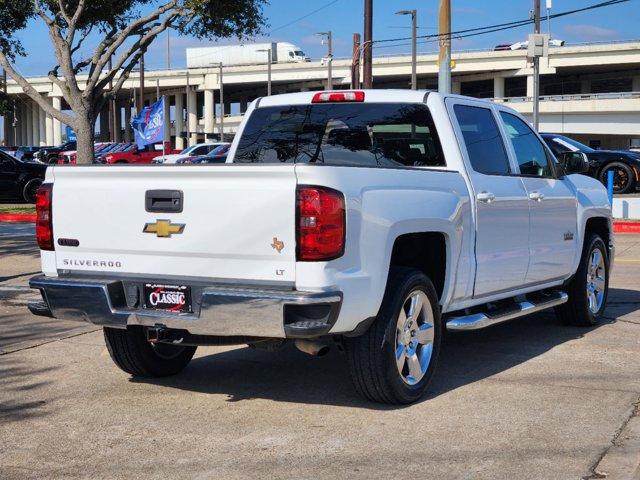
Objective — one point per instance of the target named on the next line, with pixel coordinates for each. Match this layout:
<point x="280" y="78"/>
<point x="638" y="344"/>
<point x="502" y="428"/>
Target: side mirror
<point x="574" y="162"/>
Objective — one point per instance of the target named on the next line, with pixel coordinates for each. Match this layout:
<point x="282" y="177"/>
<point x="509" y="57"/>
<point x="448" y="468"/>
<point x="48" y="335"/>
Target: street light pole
<point x="269" y="54"/>
<point x="329" y="58"/>
<point x="536" y="68"/>
<point x="414" y="46"/>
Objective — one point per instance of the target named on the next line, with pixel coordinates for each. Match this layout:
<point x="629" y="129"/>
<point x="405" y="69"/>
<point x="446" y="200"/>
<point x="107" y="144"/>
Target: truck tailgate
<point x="239" y="221"/>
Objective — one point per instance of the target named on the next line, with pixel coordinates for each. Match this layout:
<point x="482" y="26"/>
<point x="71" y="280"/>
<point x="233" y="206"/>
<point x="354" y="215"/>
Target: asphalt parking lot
<point x="527" y="399"/>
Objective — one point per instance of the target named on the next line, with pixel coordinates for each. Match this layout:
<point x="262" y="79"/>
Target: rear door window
<point x="356" y="134"/>
<point x="483" y="140"/>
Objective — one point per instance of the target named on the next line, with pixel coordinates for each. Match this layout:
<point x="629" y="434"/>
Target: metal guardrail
<point x="572" y="97"/>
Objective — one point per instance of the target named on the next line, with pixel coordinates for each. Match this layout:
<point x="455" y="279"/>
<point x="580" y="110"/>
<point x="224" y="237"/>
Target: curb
<point x="18" y="217"/>
<point x="621" y="226"/>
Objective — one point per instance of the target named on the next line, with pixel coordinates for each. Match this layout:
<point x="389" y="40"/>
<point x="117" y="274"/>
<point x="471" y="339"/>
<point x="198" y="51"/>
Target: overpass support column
<point x="456" y="87"/>
<point x="104" y="125"/>
<point x="192" y="116"/>
<point x="209" y="119"/>
<point x="18" y="122"/>
<point x="35" y="122"/>
<point x="244" y="103"/>
<point x="24" y="124"/>
<point x="48" y="129"/>
<point x="179" y="121"/>
<point x="57" y="127"/>
<point x="498" y="87"/>
<point x="42" y="126"/>
<point x="127" y="122"/>
<point x="636" y="83"/>
<point x="28" y="117"/>
<point x="117" y="122"/>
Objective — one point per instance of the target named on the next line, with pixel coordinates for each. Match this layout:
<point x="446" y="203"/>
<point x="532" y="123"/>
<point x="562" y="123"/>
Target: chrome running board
<point x="476" y="321"/>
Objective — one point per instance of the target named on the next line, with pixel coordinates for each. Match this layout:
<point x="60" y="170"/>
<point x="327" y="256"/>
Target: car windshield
<point x="299" y="53"/>
<point x="219" y="150"/>
<point x="364" y="134"/>
<point x="571" y="144"/>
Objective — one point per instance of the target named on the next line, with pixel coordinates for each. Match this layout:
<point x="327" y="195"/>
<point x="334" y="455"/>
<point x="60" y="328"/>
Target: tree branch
<point x="74" y="22"/>
<point x="101" y="58"/>
<point x="33" y="94"/>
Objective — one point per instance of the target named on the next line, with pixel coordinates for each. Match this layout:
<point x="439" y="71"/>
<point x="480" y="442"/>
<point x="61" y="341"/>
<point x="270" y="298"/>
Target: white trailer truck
<point x="254" y="53"/>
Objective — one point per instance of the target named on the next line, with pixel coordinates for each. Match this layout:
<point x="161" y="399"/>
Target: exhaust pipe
<point x="316" y="349"/>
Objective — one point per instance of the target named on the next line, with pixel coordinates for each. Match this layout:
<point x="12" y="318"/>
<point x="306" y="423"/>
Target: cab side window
<point x="530" y="153"/>
<point x="482" y="139"/>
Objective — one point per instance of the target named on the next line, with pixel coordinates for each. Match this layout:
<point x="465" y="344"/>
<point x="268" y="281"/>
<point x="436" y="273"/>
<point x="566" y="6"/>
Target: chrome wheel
<point x="414" y="337"/>
<point x="596" y="281"/>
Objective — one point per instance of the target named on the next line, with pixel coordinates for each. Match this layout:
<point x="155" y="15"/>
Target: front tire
<point x="395" y="359"/>
<point x="589" y="287"/>
<point x="624" y="180"/>
<point x="132" y="353"/>
<point x="30" y="189"/>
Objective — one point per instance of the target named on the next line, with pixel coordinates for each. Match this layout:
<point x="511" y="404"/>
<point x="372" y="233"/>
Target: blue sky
<point x="343" y="17"/>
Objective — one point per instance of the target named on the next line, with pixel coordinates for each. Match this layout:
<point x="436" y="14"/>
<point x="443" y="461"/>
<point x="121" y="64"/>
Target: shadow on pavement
<point x="15" y="381"/>
<point x="291" y="376"/>
<point x="24" y="245"/>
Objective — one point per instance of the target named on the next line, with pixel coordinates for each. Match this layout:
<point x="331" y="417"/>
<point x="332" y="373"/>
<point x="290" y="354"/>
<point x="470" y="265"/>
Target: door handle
<point x="486" y="197"/>
<point x="537" y="196"/>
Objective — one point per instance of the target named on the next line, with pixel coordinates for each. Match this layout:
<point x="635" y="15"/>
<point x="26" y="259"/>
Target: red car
<point x="138" y="156"/>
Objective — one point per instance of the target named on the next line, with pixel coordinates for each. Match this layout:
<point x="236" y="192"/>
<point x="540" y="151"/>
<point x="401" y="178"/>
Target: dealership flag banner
<point x="148" y="125"/>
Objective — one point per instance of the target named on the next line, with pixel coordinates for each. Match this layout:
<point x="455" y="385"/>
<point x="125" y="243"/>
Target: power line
<point x="499" y="26"/>
<point x="303" y="17"/>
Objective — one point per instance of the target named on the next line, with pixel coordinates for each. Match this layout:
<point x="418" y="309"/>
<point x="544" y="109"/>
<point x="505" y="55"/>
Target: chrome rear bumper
<point x="218" y="310"/>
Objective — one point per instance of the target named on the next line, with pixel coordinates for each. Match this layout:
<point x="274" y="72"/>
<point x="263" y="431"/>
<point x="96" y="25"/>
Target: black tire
<point x="624" y="180"/>
<point x="577" y="311"/>
<point x="131" y="352"/>
<point x="30" y="188"/>
<point x="372" y="356"/>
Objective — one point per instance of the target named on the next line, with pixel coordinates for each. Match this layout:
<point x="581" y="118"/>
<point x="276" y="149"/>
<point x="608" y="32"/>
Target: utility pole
<point x="221" y="103"/>
<point x="157" y="89"/>
<point x="268" y="52"/>
<point x="329" y="58"/>
<point x="414" y="46"/>
<point x="141" y="99"/>
<point x="536" y="68"/>
<point x="355" y="62"/>
<point x="367" y="57"/>
<point x="444" y="75"/>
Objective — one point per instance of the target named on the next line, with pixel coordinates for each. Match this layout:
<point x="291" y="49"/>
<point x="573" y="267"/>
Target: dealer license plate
<point x="170" y="298"/>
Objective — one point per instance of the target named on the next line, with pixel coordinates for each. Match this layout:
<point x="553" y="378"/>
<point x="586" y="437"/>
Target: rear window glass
<point x="357" y="134"/>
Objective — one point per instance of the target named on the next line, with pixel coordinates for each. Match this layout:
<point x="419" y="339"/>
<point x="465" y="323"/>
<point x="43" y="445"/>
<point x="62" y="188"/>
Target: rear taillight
<point x="320" y="215"/>
<point x="330" y="97"/>
<point x="44" y="228"/>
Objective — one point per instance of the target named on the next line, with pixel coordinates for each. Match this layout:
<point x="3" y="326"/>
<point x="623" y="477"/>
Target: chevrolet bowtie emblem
<point x="163" y="228"/>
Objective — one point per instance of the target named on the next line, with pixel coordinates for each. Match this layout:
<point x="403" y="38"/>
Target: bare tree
<point x="125" y="29"/>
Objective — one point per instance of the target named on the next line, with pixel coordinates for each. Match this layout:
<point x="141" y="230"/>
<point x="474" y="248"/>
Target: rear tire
<point x="395" y="359"/>
<point x="132" y="353"/>
<point x="624" y="180"/>
<point x="589" y="287"/>
<point x="30" y="189"/>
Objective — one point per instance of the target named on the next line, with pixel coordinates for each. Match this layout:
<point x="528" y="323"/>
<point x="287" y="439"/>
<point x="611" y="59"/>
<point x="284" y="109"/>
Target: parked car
<point x="19" y="180"/>
<point x="70" y="157"/>
<point x="26" y="154"/>
<point x="133" y="154"/>
<point x="192" y="151"/>
<point x="50" y="154"/>
<point x="217" y="155"/>
<point x="9" y="150"/>
<point x="625" y="164"/>
<point x="376" y="219"/>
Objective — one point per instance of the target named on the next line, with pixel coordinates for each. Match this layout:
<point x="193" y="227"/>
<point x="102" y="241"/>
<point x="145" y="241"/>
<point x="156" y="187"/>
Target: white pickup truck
<point x="372" y="219"/>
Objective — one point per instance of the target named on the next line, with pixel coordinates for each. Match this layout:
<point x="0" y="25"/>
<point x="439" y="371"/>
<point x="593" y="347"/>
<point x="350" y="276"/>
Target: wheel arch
<point x="428" y="251"/>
